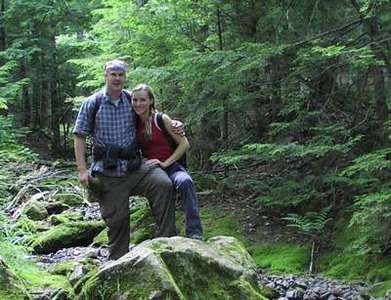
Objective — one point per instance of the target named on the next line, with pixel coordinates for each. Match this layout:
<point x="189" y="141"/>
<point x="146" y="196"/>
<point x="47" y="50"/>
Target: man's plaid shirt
<point x="114" y="124"/>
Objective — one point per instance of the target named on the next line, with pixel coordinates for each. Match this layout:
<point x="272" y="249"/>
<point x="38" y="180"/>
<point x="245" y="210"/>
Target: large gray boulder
<point x="178" y="268"/>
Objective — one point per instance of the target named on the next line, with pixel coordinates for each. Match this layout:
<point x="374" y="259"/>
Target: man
<point x="116" y="170"/>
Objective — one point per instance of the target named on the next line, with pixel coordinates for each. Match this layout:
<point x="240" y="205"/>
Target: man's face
<point x="115" y="80"/>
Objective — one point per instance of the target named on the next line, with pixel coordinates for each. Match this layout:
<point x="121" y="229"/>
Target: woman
<point x="158" y="149"/>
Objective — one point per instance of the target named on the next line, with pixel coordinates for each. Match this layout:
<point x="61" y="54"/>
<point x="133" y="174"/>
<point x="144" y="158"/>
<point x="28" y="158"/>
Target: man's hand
<point x="178" y="127"/>
<point x="84" y="177"/>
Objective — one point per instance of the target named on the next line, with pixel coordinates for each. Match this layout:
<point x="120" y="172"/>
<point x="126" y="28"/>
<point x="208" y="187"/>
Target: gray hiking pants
<point x="150" y="182"/>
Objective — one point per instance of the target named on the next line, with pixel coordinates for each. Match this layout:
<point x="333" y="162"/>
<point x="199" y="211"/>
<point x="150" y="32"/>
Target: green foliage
<point x="369" y="174"/>
<point x="9" y="88"/>
<point x="285" y="193"/>
<point x="312" y="224"/>
<point x="10" y="146"/>
<point x="276" y="152"/>
<point x="370" y="164"/>
<point x="373" y="218"/>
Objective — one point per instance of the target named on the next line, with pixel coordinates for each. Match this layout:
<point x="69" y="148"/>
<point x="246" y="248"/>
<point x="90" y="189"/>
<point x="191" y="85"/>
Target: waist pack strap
<point x="100" y="152"/>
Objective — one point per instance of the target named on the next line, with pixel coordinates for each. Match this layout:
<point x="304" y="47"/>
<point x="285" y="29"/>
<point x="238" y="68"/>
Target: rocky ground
<point x="283" y="287"/>
<point x="315" y="287"/>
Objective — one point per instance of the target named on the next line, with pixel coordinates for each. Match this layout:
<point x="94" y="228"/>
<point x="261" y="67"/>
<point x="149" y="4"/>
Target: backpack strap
<point x="159" y="121"/>
<point x="98" y="102"/>
<point x="128" y="95"/>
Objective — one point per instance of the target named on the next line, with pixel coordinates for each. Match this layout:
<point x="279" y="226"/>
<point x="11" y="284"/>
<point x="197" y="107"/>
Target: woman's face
<point x="141" y="103"/>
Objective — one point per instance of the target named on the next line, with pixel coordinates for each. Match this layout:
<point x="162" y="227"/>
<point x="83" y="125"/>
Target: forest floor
<point x="275" y="247"/>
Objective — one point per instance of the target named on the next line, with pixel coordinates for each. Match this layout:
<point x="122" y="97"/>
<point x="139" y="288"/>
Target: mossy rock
<point x="67" y="235"/>
<point x="56" y="207"/>
<point x="35" y="210"/>
<point x="69" y="199"/>
<point x="64" y="268"/>
<point x="178" y="268"/>
<point x="65" y="217"/>
<point x="11" y="287"/>
<point x="36" y="279"/>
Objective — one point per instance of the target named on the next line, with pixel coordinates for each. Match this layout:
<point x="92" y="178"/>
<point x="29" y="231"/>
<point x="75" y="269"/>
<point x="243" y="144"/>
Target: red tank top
<point x="159" y="146"/>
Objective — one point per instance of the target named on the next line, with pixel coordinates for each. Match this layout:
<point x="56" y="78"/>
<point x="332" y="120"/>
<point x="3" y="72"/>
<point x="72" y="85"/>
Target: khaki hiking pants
<point x="150" y="182"/>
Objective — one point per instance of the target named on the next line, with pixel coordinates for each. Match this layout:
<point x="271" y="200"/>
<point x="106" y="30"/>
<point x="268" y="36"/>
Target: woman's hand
<point x="156" y="162"/>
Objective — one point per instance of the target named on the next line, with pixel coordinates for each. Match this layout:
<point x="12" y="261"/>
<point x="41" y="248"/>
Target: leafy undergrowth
<point x="291" y="255"/>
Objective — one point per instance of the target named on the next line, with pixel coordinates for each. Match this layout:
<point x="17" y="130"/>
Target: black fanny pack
<point x="110" y="154"/>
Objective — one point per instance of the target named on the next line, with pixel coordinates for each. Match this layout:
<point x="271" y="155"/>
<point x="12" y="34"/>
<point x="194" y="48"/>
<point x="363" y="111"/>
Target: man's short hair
<point x="116" y="65"/>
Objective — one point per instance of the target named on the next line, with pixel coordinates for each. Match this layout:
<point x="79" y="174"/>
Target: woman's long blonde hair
<point x="148" y="124"/>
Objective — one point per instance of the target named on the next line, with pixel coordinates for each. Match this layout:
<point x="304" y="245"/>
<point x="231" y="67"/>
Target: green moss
<point x="11" y="287"/>
<point x="287" y="258"/>
<point x="63" y="268"/>
<point x="67" y="235"/>
<point x="34" y="277"/>
<point x="70" y="199"/>
<point x="355" y="267"/>
<point x="65" y="217"/>
<point x="119" y="286"/>
<point x="219" y="284"/>
<point x="35" y="210"/>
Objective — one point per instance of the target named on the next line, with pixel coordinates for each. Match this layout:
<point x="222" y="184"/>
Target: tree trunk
<point x="373" y="30"/>
<point x="55" y="103"/>
<point x="45" y="92"/>
<point x="26" y="99"/>
<point x="2" y="29"/>
<point x="224" y="126"/>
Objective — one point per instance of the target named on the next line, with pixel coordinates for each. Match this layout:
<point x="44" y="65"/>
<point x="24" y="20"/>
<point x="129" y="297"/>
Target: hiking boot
<point x="196" y="237"/>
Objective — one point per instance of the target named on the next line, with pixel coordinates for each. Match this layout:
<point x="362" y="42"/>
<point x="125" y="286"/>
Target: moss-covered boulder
<point x="10" y="286"/>
<point x="35" y="210"/>
<point x="70" y="199"/>
<point x="67" y="235"/>
<point x="65" y="217"/>
<point x="178" y="268"/>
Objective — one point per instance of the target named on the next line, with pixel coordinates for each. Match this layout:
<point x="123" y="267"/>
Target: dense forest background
<point x="286" y="103"/>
